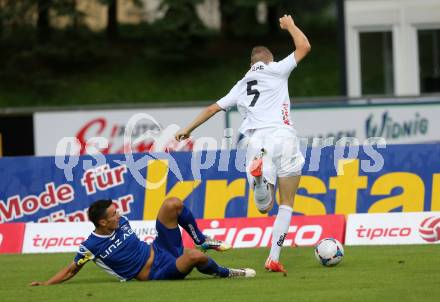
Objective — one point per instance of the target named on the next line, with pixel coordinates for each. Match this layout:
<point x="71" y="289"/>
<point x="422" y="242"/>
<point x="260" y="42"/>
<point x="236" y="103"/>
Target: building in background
<point x="392" y="47"/>
<point x="130" y="13"/>
<point x="150" y="11"/>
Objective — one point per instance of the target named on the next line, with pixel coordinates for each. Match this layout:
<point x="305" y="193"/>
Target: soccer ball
<point x="329" y="252"/>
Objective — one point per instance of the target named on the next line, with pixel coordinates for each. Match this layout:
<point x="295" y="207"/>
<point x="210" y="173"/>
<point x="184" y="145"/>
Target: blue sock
<point x="186" y="220"/>
<point x="213" y="269"/>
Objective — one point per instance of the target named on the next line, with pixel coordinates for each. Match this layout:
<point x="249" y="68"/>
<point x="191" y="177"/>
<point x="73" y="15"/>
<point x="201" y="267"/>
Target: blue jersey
<point x="121" y="254"/>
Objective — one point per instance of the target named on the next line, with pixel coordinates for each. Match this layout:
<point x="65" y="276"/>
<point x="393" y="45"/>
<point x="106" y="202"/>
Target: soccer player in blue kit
<point x="115" y="248"/>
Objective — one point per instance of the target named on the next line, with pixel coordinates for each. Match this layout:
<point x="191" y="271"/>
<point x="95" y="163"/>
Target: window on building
<point x="376" y="51"/>
<point x="429" y="60"/>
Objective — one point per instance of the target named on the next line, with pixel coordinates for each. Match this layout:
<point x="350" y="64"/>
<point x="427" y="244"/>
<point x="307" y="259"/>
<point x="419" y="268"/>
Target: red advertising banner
<point x="240" y="232"/>
<point x="11" y="237"/>
<point x="257" y="232"/>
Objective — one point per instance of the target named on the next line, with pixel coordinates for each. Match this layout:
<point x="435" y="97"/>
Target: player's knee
<point x="173" y="203"/>
<point x="196" y="257"/>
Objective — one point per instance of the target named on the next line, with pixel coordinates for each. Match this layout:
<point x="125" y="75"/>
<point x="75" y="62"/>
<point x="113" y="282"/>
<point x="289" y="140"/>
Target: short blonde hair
<point x="261" y="53"/>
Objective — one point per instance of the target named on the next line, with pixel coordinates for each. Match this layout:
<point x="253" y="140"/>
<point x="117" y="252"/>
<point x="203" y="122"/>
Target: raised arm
<point x="302" y="45"/>
<point x="63" y="275"/>
<point x="205" y="115"/>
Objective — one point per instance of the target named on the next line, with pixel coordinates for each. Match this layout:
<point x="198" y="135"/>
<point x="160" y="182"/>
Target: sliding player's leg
<point x="171" y="262"/>
<point x="206" y="265"/>
<point x="173" y="213"/>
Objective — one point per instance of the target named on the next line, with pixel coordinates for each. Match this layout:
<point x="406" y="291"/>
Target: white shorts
<point x="282" y="156"/>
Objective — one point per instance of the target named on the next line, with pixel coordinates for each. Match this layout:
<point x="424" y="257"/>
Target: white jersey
<point x="262" y="96"/>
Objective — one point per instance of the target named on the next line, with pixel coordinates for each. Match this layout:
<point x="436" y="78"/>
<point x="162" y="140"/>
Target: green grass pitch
<point x="377" y="273"/>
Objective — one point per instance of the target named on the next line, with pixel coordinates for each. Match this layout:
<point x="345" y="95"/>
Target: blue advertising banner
<point x="364" y="179"/>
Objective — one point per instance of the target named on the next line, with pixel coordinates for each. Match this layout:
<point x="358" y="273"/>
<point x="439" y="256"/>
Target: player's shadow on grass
<point x="92" y="281"/>
<point x="107" y="281"/>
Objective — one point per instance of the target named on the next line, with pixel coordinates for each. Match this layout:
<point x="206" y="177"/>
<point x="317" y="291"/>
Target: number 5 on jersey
<point x="253" y="92"/>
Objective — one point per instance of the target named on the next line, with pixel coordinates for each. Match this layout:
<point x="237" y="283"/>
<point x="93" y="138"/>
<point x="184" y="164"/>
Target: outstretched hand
<point x="182" y="134"/>
<point x="37" y="283"/>
<point x="286" y="22"/>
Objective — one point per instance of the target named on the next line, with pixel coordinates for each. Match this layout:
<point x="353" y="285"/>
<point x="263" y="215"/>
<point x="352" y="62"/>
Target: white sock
<point x="280" y="228"/>
<point x="261" y="194"/>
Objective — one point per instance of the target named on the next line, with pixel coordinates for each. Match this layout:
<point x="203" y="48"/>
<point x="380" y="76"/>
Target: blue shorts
<point x="167" y="247"/>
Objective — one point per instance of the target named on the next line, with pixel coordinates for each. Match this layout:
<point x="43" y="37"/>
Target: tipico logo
<point x="1" y="239"/>
<point x="430" y="229"/>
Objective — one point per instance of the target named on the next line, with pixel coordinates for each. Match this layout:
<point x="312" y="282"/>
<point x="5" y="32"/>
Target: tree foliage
<point x="180" y="28"/>
<point x="239" y="16"/>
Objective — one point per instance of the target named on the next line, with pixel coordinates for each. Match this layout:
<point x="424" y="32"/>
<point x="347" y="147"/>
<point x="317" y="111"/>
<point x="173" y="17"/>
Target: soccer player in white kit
<point x="273" y="154"/>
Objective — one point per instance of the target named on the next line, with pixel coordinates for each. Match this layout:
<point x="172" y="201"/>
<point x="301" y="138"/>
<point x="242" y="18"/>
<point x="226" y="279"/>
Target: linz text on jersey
<point x="116" y="243"/>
